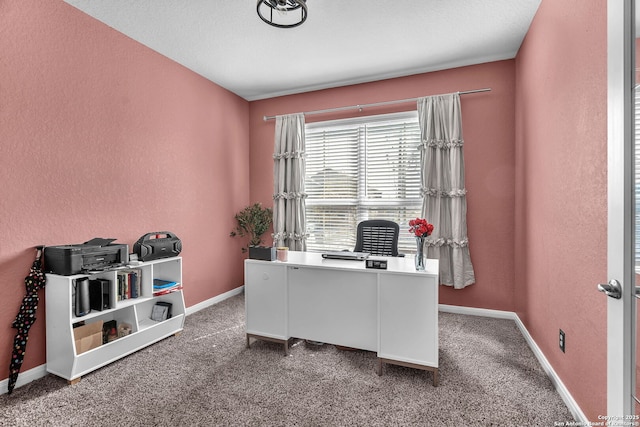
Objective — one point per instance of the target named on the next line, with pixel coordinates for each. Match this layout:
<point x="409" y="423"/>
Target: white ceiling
<point x="341" y="43"/>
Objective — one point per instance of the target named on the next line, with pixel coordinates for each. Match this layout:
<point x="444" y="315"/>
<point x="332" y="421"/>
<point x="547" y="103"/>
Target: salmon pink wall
<point x="102" y="137"/>
<point x="561" y="192"/>
<point x="489" y="132"/>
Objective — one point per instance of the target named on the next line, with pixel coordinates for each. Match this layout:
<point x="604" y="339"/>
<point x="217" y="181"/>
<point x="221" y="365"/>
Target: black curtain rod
<point x="375" y="104"/>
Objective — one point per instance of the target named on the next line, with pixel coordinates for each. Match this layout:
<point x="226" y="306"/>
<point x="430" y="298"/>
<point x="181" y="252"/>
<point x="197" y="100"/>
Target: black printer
<point x="96" y="254"/>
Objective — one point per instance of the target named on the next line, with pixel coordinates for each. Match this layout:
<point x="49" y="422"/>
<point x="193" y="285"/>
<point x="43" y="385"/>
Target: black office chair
<point x="378" y="237"/>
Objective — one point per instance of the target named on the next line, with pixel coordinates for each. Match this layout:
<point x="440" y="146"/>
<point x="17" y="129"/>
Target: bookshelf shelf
<point x="71" y="355"/>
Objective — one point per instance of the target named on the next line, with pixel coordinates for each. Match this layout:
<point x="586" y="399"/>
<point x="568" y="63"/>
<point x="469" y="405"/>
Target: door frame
<point x="620" y="232"/>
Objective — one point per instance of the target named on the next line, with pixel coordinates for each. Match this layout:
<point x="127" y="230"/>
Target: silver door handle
<point x="611" y="289"/>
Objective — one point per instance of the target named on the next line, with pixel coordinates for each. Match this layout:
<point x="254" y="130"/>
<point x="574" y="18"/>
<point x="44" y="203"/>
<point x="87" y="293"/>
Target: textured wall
<point x="100" y="136"/>
<point x="489" y="132"/>
<point x="561" y="192"/>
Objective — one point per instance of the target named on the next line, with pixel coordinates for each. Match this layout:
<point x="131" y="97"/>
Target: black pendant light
<point x="282" y="13"/>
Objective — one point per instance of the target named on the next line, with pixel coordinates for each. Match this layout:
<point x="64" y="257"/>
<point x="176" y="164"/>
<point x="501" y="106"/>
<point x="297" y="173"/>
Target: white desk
<point x="393" y="312"/>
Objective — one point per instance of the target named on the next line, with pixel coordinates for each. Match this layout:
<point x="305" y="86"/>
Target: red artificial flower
<point x="420" y="227"/>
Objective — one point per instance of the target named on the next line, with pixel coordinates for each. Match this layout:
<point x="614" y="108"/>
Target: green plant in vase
<point x="253" y="221"/>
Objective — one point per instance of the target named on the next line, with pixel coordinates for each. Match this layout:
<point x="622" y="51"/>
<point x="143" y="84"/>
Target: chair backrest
<point x="378" y="237"/>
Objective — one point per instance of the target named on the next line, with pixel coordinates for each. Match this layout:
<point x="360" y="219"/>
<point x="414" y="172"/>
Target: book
<point x="168" y="305"/>
<point x="129" y="283"/>
<point x="166" y="291"/>
<point x="133" y="280"/>
<point x="163" y="287"/>
<point x="121" y="286"/>
<point x="135" y="277"/>
<point x="163" y="284"/>
<point x="161" y="311"/>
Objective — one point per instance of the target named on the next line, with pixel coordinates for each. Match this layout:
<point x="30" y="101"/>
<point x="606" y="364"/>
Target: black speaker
<point x="81" y="301"/>
<point x="160" y="244"/>
<point x="99" y="294"/>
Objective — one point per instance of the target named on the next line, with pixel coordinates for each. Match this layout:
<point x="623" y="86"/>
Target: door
<point x="621" y="300"/>
<point x="634" y="319"/>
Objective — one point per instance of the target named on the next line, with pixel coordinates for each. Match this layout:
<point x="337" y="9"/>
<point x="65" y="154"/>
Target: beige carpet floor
<point x="206" y="377"/>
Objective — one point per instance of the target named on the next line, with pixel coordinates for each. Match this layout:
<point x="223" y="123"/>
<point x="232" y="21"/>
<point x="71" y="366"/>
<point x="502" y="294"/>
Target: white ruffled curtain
<point x="289" y="223"/>
<point x="444" y="194"/>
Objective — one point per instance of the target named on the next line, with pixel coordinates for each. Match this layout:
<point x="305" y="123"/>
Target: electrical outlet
<point x="562" y="340"/>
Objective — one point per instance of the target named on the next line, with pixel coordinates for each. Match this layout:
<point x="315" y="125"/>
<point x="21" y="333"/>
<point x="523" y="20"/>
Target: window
<point x="358" y="169"/>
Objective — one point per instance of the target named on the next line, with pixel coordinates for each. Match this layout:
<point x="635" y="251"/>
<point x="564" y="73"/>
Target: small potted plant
<point x="254" y="221"/>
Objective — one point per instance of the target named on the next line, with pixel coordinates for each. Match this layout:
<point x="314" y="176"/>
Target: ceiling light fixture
<point x="278" y="13"/>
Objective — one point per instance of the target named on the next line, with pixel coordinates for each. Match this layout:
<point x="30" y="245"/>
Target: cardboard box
<point x="88" y="336"/>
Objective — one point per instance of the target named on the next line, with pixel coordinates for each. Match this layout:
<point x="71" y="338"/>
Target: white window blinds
<point x="357" y="169"/>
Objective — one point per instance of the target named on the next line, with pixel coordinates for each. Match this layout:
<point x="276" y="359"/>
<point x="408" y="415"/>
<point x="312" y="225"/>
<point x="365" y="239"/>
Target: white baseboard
<point x="471" y="311"/>
<point x="546" y="366"/>
<point x="40" y="371"/>
<point x="215" y="300"/>
<point x="24" y="378"/>
<point x="558" y="384"/>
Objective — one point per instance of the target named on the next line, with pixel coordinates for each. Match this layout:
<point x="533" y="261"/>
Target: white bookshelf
<point x="63" y="359"/>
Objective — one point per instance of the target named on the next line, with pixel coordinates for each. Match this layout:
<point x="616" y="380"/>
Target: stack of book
<point x="162" y="287"/>
<point x="129" y="283"/>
